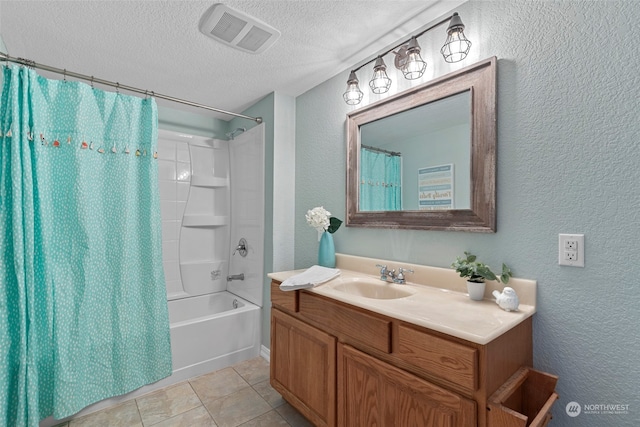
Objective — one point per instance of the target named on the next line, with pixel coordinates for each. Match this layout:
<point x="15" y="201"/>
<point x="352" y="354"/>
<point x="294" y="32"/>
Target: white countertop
<point x="439" y="302"/>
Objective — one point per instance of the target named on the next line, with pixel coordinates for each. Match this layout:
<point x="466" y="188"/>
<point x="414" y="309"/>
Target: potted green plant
<point x="476" y="273"/>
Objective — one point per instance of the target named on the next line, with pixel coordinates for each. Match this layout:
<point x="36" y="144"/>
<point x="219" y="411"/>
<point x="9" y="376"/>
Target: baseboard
<point x="265" y="353"/>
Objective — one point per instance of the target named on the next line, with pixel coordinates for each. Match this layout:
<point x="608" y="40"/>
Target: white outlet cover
<point x="572" y="258"/>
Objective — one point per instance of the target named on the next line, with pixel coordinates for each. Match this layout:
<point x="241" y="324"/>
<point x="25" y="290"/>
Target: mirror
<point x="425" y="158"/>
<point x="418" y="159"/>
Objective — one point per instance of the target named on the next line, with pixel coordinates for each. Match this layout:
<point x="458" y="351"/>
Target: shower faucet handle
<point x="215" y="274"/>
<point x="241" y="248"/>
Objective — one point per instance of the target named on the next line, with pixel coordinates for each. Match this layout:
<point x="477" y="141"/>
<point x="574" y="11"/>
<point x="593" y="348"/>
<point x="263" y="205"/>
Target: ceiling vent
<point x="237" y="29"/>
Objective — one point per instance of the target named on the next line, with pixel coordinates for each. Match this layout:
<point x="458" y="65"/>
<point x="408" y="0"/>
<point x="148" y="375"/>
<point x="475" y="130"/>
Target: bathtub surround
<point x="278" y="112"/>
<point x="247" y="160"/>
<point x="209" y="199"/>
<point x="174" y="176"/>
<point x="212" y="196"/>
<point x="87" y="318"/>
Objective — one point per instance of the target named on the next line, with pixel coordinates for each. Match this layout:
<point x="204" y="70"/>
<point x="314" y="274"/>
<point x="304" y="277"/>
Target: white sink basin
<point x="373" y="289"/>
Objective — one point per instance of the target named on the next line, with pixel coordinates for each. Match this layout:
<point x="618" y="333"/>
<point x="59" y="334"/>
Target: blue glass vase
<point x="327" y="251"/>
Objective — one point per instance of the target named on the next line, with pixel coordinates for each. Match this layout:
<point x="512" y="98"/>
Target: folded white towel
<point x="314" y="275"/>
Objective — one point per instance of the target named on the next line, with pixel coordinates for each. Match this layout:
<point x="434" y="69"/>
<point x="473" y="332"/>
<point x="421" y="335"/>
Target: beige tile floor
<point x="236" y="396"/>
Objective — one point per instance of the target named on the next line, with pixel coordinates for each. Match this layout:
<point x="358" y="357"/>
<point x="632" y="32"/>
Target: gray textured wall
<point x="568" y="136"/>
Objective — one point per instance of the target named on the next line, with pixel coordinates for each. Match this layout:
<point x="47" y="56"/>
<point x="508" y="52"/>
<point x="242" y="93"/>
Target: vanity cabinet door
<point x="303" y="367"/>
<point x="374" y="393"/>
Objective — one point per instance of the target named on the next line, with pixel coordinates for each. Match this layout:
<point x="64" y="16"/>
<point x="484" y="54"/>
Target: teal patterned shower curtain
<point x="83" y="311"/>
<point x="380" y="181"/>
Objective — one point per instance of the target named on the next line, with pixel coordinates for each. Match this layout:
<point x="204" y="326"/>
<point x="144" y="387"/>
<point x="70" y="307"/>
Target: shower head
<point x="233" y="133"/>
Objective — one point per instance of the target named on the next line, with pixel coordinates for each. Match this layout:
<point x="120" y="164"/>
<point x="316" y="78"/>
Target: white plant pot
<point x="475" y="290"/>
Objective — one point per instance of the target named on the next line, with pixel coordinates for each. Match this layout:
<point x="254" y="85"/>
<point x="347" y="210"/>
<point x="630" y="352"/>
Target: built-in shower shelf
<point x="204" y="221"/>
<point x="208" y="181"/>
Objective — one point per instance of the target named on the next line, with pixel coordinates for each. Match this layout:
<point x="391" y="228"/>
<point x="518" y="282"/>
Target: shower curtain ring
<point x="92" y="83"/>
<point x="64" y="75"/>
<point x="117" y="88"/>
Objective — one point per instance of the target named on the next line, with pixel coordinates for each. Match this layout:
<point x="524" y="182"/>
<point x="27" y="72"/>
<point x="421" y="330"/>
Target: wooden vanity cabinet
<point x="341" y="365"/>
<point x="303" y="367"/>
<point x="375" y="393"/>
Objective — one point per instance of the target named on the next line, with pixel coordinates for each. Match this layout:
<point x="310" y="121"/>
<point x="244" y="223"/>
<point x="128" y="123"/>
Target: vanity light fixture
<point x="353" y="95"/>
<point x="457" y="46"/>
<point x="409" y="61"/>
<point x="380" y="82"/>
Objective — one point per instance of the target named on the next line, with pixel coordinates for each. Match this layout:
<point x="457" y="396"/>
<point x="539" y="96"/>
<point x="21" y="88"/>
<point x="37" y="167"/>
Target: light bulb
<point x="380" y="82"/>
<point x="414" y="66"/>
<point x="457" y="46"/>
<point x="353" y="94"/>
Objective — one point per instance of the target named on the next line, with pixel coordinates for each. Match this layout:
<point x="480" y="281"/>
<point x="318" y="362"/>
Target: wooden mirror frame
<point x="480" y="80"/>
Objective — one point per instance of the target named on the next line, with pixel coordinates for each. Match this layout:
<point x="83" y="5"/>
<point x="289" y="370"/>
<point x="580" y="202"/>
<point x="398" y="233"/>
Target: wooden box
<point x="524" y="400"/>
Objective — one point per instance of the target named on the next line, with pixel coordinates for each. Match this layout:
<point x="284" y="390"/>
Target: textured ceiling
<point x="156" y="45"/>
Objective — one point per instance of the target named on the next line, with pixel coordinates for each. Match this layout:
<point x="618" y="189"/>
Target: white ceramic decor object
<point x="507" y="300"/>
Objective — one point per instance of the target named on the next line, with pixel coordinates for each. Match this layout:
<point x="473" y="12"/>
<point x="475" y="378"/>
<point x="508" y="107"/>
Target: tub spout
<point x="235" y="277"/>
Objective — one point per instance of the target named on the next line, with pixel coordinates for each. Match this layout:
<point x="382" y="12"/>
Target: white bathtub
<point x="210" y="332"/>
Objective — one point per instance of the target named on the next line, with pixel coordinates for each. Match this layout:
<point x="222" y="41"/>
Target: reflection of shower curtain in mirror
<point x="83" y="309"/>
<point x="380" y="181"/>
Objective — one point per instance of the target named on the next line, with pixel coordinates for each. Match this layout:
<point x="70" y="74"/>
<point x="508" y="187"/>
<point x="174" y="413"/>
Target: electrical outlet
<point x="571" y="245"/>
<point x="571" y="250"/>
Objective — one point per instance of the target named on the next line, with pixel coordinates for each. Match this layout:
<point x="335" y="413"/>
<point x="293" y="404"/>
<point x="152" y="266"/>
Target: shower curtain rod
<point x="381" y="150"/>
<point x="118" y="86"/>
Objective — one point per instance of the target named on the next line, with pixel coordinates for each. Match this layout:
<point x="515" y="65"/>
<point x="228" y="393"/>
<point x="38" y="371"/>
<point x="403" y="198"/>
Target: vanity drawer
<point x="340" y="319"/>
<point x="449" y="360"/>
<point x="286" y="300"/>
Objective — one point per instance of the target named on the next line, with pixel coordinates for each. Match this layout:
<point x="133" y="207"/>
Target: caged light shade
<point x="380" y="82"/>
<point x="457" y="46"/>
<point x="353" y="94"/>
<point x="414" y="65"/>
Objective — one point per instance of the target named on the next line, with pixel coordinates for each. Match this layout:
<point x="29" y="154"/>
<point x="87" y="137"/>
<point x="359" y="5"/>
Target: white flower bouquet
<point x="321" y="219"/>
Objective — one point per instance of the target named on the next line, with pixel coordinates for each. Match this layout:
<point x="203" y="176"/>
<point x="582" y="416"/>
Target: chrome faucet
<point x="400" y="277"/>
<point x="390" y="275"/>
<point x="386" y="274"/>
<point x="383" y="272"/>
<point x="235" y="277"/>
